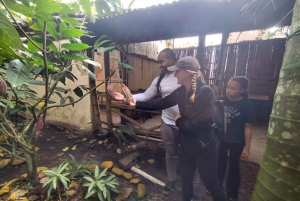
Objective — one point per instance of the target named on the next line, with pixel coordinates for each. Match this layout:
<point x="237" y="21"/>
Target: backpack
<point x="219" y="121"/>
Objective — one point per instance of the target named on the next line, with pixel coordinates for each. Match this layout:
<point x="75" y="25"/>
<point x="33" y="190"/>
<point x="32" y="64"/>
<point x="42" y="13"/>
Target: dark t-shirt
<point x="238" y="113"/>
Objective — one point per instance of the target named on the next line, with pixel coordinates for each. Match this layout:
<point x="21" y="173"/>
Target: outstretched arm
<point x="149" y="94"/>
<point x="169" y="101"/>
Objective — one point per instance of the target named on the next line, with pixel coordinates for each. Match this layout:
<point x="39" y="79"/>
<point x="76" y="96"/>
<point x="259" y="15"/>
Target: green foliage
<point x="45" y="59"/>
<point x="57" y="176"/>
<point x="76" y="169"/>
<point x="120" y="133"/>
<point x="101" y="184"/>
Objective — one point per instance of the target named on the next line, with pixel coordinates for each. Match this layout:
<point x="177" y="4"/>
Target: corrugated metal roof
<point x="191" y="18"/>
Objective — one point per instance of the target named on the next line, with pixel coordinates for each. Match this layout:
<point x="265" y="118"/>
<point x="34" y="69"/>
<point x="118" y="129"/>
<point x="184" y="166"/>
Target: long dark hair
<point x="244" y="83"/>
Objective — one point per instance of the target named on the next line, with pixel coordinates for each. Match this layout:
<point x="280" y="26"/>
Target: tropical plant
<point x="56" y="177"/>
<point x="279" y="175"/>
<point x="45" y="58"/>
<point x="77" y="169"/>
<point x="119" y="133"/>
<point x="101" y="184"/>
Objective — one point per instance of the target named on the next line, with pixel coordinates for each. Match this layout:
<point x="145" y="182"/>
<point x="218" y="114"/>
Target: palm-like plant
<point x="101" y="184"/>
<point x="56" y="177"/>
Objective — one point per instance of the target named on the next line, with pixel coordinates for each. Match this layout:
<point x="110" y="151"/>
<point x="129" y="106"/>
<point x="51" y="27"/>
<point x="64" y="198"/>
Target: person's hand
<point x="245" y="154"/>
<point x="131" y="101"/>
<point x="118" y="96"/>
<point x="177" y="116"/>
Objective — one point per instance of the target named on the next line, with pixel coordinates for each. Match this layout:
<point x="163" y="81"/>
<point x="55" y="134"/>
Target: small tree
<point x="38" y="61"/>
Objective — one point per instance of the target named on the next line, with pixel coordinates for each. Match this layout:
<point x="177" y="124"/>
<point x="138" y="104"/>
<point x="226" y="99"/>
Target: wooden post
<point x="221" y="65"/>
<point x="201" y="56"/>
<point x="201" y="51"/>
<point x="95" y="109"/>
<point x="107" y="100"/>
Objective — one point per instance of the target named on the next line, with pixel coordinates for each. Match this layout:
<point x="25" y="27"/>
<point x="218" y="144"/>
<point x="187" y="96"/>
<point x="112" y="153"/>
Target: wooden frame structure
<point x="204" y="17"/>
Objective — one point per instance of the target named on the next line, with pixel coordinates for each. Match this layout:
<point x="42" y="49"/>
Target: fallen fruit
<point x="127" y="175"/>
<point x="117" y="171"/>
<point x="141" y="190"/>
<point x="135" y="181"/>
<point x="107" y="164"/>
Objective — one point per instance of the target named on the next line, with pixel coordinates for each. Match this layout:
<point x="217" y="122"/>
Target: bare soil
<point x="55" y="139"/>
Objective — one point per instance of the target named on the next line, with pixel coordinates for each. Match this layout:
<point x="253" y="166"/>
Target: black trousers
<point x="190" y="157"/>
<point x="233" y="178"/>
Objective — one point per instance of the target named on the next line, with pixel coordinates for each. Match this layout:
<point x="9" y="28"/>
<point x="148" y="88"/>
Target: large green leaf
<point x="48" y="6"/>
<point x="127" y="66"/>
<point x="94" y="63"/>
<point x="19" y="8"/>
<point x="62" y="27"/>
<point x="51" y="28"/>
<point x="8" y="34"/>
<point x="78" y="57"/>
<point x="105" y="49"/>
<point x="7" y="102"/>
<point x="37" y="82"/>
<point x="78" y="92"/>
<point x="17" y="73"/>
<point x="75" y="46"/>
<point x="99" y="43"/>
<point x="71" y="99"/>
<point x="66" y="9"/>
<point x="7" y="52"/>
<point x="103" y="8"/>
<point x="88" y="72"/>
<point x="70" y="76"/>
<point x="71" y="21"/>
<point x="72" y="32"/>
<point x="86" y="5"/>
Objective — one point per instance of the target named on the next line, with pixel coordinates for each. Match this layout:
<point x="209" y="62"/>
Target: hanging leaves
<point x="75" y="46"/>
<point x="9" y="37"/>
<point x="17" y="73"/>
<point x="78" y="91"/>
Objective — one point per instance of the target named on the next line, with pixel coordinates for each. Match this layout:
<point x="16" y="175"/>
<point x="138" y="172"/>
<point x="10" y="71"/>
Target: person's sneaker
<point x="196" y="193"/>
<point x="168" y="188"/>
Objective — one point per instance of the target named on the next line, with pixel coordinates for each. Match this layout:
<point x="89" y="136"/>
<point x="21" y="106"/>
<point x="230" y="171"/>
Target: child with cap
<point x="198" y="141"/>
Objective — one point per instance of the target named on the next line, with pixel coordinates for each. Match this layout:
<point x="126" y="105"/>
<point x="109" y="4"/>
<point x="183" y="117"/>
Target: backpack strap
<point x="161" y="76"/>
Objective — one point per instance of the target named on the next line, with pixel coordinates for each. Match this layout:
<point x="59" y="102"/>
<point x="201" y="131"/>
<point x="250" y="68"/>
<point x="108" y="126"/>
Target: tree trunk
<point x="31" y="168"/>
<point x="279" y="175"/>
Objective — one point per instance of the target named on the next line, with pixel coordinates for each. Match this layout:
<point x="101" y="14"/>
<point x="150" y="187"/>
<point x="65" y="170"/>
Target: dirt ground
<point x="54" y="140"/>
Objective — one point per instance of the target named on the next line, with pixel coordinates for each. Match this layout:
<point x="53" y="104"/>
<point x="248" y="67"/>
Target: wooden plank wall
<point x="260" y="61"/>
<point x="100" y="73"/>
<point x="145" y="70"/>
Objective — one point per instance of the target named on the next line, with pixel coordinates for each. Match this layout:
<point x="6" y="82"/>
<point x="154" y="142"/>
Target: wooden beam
<point x="128" y="118"/>
<point x="148" y="132"/>
<point x="118" y="104"/>
<point x="154" y="128"/>
<point x="221" y="64"/>
<point x="201" y="51"/>
<point x="108" y="100"/>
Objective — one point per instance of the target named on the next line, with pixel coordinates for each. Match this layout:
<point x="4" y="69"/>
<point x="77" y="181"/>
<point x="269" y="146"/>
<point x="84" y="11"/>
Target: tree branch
<point x="46" y="70"/>
<point x="85" y="93"/>
<point x="13" y="18"/>
<point x="11" y="153"/>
